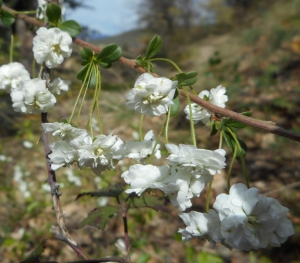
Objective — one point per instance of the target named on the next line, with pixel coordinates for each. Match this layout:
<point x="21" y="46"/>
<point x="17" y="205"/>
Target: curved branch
<point x="258" y="124"/>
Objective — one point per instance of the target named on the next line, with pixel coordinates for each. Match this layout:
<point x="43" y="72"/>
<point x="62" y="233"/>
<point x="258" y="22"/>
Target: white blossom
<point x="11" y="76"/>
<point x="139" y="151"/>
<point x="59" y="86"/>
<point x="102" y="154"/>
<point x="202" y="226"/>
<point x="75" y="137"/>
<point x="51" y="46"/>
<point x="32" y="97"/>
<point x="197" y="160"/>
<point x="62" y="155"/>
<point x="250" y="220"/>
<point x="215" y="96"/>
<point x="151" y="96"/>
<point x="140" y="177"/>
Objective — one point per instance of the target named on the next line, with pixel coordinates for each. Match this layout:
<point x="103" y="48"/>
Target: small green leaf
<point x="229" y="140"/>
<point x="244" y="148"/>
<point x="98" y="217"/>
<point x="213" y="130"/>
<point x="35" y="254"/>
<point x="155" y="202"/>
<point x="240" y="151"/>
<point x="237" y="125"/>
<point x="53" y="13"/>
<point x="114" y="192"/>
<point x="82" y="73"/>
<point x="175" y="107"/>
<point x="186" y="79"/>
<point x="154" y="46"/>
<point x="247" y="113"/>
<point x="108" y="55"/>
<point x="86" y="53"/>
<point x="7" y="18"/>
<point x="70" y="26"/>
<point x="139" y="60"/>
<point x="227" y="122"/>
<point x="92" y="79"/>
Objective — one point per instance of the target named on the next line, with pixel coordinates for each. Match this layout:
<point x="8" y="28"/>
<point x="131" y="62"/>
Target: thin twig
<point x="60" y="231"/>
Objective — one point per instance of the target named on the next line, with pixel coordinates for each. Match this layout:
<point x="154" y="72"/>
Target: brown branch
<point x="60" y="231"/>
<point x="258" y="124"/>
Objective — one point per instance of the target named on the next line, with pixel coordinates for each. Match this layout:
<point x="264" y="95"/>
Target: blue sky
<point x="109" y="17"/>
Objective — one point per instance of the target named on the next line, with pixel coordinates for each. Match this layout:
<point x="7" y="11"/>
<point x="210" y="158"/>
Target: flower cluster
<point x="185" y="176"/>
<point x="151" y="96"/>
<point x="244" y="219"/>
<point x="215" y="96"/>
<point x="76" y="145"/>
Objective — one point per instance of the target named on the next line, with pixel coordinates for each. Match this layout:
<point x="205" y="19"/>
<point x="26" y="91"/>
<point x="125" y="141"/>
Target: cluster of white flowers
<point x="214" y="96"/>
<point x="76" y="145"/>
<point x="244" y="219"/>
<point x="34" y="95"/>
<point x="151" y="96"/>
<point x="185" y="177"/>
<point x="189" y="168"/>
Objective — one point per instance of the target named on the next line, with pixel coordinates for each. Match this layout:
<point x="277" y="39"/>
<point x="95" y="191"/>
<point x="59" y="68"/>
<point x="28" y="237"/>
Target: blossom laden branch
<point x="258" y="124"/>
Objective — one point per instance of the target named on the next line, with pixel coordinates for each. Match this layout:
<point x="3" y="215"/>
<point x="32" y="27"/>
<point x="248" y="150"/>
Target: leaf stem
<point x="11" y="48"/>
<point x="141" y="127"/>
<point x="167" y="60"/>
<point x="244" y="168"/>
<point x="192" y="127"/>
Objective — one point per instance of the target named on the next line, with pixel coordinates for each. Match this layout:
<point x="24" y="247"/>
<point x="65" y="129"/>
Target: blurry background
<point x="250" y="47"/>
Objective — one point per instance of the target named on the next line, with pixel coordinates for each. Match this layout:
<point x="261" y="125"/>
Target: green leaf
<point x="155" y="202"/>
<point x="247" y="113"/>
<point x="34" y="256"/>
<point x="108" y="55"/>
<point x="114" y="192"/>
<point x="213" y="130"/>
<point x="53" y="13"/>
<point x="86" y="53"/>
<point x="186" y="79"/>
<point x="227" y="122"/>
<point x="70" y="26"/>
<point x="244" y="148"/>
<point x="139" y="60"/>
<point x="7" y="18"/>
<point x="175" y="107"/>
<point x="241" y="151"/>
<point x="154" y="46"/>
<point x="99" y="217"/>
<point x="82" y="73"/>
<point x="229" y="140"/>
